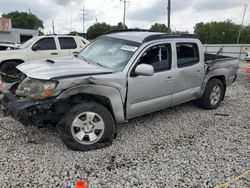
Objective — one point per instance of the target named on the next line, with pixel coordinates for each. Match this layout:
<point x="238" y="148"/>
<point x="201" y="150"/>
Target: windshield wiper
<point x="101" y="65"/>
<point x="82" y="58"/>
<point x="93" y="62"/>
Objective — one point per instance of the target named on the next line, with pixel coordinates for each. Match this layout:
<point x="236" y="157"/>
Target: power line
<point x="102" y="4"/>
<point x="178" y="11"/>
<point x="106" y="10"/>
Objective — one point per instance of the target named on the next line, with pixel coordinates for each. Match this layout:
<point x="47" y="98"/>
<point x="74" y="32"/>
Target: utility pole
<point x="70" y="22"/>
<point x="53" y="27"/>
<point x="83" y="13"/>
<point x="124" y="12"/>
<point x="241" y="26"/>
<point x="169" y="9"/>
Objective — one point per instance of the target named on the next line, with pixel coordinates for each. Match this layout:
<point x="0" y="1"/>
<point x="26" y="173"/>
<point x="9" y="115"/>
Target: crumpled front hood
<point x="60" y="68"/>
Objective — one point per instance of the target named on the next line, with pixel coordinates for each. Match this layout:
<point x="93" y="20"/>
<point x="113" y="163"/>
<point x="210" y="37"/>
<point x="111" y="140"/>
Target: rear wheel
<point x="212" y="95"/>
<point x="87" y="126"/>
<point x="9" y="71"/>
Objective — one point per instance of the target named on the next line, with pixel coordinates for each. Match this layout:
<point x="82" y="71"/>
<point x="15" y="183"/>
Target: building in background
<point x="18" y="35"/>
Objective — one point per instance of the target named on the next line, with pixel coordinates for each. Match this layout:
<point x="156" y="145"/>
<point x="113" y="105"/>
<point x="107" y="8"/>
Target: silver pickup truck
<point x="119" y="76"/>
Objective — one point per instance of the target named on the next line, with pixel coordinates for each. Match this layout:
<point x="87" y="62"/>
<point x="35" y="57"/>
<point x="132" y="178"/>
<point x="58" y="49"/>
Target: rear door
<point x="47" y="49"/>
<point x="151" y="93"/>
<point x="68" y="46"/>
<point x="189" y="72"/>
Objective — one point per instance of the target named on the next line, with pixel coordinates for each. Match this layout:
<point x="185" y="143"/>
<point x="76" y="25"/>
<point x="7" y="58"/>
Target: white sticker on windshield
<point x="129" y="48"/>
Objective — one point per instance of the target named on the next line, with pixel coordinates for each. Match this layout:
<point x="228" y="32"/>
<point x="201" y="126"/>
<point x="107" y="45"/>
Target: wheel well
<point x="223" y="80"/>
<point x="11" y="60"/>
<point x="97" y="98"/>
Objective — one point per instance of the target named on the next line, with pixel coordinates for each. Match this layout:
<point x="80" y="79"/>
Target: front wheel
<point x="87" y="126"/>
<point x="212" y="95"/>
<point x="9" y="71"/>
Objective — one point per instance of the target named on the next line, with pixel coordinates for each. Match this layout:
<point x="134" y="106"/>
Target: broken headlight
<point x="37" y="89"/>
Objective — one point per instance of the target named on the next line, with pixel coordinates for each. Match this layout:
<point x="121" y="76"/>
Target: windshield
<point x="27" y="43"/>
<point x="110" y="52"/>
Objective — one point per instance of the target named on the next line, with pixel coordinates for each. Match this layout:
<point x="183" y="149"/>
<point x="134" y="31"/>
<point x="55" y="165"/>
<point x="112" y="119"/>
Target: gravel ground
<point x="183" y="146"/>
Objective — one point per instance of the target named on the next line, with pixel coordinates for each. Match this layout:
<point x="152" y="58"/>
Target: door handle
<point x="168" y="78"/>
<point x="198" y="71"/>
<point x="54" y="53"/>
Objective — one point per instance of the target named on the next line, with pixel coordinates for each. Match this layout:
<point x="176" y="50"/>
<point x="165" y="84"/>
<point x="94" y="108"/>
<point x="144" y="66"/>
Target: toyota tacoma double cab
<point x="121" y="75"/>
<point x="40" y="47"/>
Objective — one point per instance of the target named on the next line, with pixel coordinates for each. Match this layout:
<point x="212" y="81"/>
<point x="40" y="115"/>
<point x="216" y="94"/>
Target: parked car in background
<point x="248" y="55"/>
<point x="8" y="42"/>
<point x="4" y="47"/>
<point x="8" y="45"/>
<point x="119" y="76"/>
<point x="41" y="47"/>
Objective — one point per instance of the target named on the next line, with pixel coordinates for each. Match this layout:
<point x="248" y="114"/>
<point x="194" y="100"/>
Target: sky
<point x="140" y="13"/>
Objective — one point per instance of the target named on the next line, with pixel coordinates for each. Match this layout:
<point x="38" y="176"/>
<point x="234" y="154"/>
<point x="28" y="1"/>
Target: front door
<point x="47" y="49"/>
<point x="151" y="93"/>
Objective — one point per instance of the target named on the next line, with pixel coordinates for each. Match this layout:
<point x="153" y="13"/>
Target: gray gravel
<point x="183" y="146"/>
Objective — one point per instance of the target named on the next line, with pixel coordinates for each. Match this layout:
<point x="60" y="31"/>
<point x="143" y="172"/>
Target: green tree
<point x="97" y="30"/>
<point x="180" y="32"/>
<point x="160" y="28"/>
<point x="119" y="26"/>
<point x="220" y="32"/>
<point x="73" y="33"/>
<point x="40" y="33"/>
<point x="245" y="35"/>
<point x="24" y="20"/>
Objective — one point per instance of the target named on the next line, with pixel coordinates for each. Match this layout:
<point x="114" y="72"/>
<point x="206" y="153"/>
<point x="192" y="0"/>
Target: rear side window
<point x="187" y="54"/>
<point x="67" y="43"/>
<point x="159" y="57"/>
<point x="47" y="44"/>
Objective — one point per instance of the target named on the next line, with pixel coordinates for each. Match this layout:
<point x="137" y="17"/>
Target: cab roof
<point x="142" y="36"/>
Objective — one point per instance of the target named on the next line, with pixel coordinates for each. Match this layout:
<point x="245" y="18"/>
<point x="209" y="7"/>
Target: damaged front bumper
<point x="27" y="111"/>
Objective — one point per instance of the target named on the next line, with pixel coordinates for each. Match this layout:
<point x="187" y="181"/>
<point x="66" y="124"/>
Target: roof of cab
<point x="142" y="36"/>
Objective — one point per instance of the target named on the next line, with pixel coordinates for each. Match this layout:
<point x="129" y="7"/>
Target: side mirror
<point x="75" y="54"/>
<point x="144" y="70"/>
<point x="36" y="47"/>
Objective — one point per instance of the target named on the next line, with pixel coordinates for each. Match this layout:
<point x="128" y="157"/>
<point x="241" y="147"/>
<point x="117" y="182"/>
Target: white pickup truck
<point x="41" y="47"/>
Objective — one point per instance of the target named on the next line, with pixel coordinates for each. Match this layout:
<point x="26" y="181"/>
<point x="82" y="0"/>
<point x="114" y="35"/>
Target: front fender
<point x="106" y="91"/>
<point x="13" y="55"/>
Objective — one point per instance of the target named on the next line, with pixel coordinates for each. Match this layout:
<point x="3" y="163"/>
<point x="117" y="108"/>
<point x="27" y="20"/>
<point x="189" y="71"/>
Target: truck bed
<point x="220" y="63"/>
<point x="213" y="58"/>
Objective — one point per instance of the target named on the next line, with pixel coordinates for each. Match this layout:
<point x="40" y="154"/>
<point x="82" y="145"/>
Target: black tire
<point x="64" y="127"/>
<point x="10" y="71"/>
<point x="205" y="101"/>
